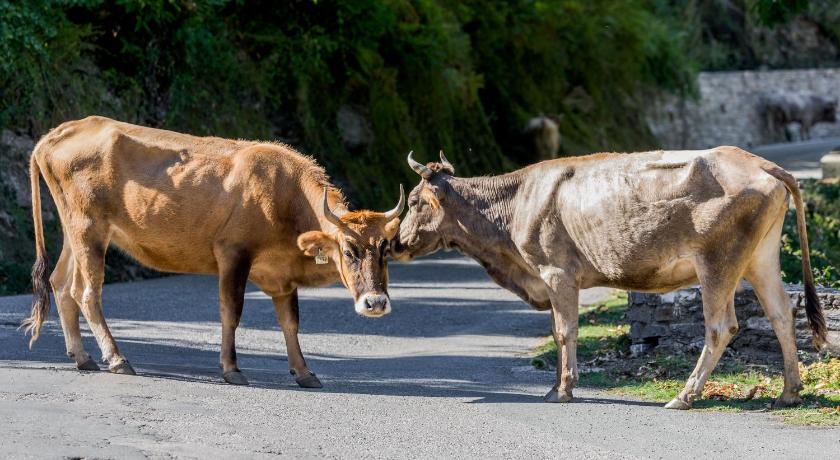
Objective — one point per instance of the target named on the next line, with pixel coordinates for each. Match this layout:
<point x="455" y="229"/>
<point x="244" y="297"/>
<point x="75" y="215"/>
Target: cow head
<point x="427" y="222"/>
<point x="358" y="247"/>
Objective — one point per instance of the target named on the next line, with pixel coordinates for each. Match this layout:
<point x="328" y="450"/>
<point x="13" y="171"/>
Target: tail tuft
<point x="40" y="300"/>
<point x="816" y="319"/>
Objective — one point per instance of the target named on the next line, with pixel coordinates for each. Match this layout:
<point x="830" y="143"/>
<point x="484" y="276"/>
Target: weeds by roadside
<point x="736" y="385"/>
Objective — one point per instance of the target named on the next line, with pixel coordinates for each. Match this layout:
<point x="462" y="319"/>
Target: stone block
<point x="653" y="330"/>
<point x="758" y="323"/>
<point x="830" y="165"/>
<point x="677" y="323"/>
<point x="664" y="313"/>
<point x="639" y="349"/>
<point x="642" y="314"/>
<point x="688" y="330"/>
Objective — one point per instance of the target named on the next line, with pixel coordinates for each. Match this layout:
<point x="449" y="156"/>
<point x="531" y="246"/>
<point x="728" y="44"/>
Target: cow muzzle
<point x="373" y="305"/>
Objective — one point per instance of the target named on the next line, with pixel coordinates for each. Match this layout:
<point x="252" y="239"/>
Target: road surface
<point x="445" y="375"/>
<point x="802" y="159"/>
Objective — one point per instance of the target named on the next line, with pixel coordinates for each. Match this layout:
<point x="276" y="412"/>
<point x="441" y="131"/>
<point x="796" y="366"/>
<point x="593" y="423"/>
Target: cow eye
<point x="348" y="254"/>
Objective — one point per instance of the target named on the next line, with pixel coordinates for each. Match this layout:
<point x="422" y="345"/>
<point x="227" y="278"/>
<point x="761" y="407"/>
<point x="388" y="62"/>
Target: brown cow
<point x="652" y="221"/>
<point x="184" y="204"/>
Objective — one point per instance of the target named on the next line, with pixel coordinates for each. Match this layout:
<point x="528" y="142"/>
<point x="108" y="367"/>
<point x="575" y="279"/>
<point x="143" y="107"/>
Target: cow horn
<point x="423" y="170"/>
<point x="335" y="220"/>
<point x="446" y="162"/>
<point x="390" y="215"/>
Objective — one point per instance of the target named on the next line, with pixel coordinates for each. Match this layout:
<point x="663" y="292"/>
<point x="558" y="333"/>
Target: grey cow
<point x="652" y="221"/>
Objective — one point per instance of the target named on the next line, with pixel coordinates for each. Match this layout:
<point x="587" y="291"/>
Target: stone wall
<point x="674" y="321"/>
<point x="726" y="111"/>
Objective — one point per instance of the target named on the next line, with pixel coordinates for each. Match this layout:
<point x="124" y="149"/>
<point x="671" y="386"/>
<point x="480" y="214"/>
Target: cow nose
<point x="373" y="305"/>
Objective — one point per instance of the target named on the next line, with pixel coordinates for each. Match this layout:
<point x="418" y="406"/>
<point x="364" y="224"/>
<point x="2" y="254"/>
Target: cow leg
<point x="564" y="327"/>
<point x="764" y="274"/>
<point x="234" y="267"/>
<point x="718" y="283"/>
<point x="286" y="307"/>
<point x="68" y="310"/>
<point x="89" y="244"/>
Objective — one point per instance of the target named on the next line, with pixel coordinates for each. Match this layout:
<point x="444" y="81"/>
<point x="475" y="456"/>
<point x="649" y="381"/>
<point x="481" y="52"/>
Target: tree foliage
<point x="463" y="76"/>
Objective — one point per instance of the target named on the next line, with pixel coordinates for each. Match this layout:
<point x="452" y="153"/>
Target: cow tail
<point x="40" y="279"/>
<point x="813" y="309"/>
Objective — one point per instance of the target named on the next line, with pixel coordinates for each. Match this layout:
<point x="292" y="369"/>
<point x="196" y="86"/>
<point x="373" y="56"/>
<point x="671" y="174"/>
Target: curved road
<point x="445" y="375"/>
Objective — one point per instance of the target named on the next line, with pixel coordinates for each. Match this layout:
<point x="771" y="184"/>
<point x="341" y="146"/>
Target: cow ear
<point x="391" y="228"/>
<point x="432" y="196"/>
<point x="311" y="243"/>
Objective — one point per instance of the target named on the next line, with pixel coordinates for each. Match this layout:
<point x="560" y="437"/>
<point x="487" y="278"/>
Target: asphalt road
<point x="445" y="375"/>
<point x="802" y="159"/>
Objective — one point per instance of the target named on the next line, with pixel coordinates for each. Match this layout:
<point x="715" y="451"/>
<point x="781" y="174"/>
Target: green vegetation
<point x="823" y="220"/>
<point x="424" y="75"/>
<point x="463" y="76"/>
<point x="751" y="34"/>
<point x="601" y="330"/>
<point x="734" y="386"/>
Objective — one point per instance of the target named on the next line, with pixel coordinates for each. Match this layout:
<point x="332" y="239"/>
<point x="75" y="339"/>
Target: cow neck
<point x="485" y="233"/>
<point x="314" y="190"/>
<point x="487" y="213"/>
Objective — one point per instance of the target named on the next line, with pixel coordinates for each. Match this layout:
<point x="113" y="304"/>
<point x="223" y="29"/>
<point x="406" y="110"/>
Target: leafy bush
<point x="823" y="222"/>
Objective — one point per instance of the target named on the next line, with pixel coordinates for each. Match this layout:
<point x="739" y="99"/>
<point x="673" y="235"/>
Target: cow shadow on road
<point x="478" y="380"/>
<point x="443" y="298"/>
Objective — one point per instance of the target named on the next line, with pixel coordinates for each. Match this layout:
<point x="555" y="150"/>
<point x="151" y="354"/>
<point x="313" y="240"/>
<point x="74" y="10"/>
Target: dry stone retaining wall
<point x="726" y="111"/>
<point x="674" y="322"/>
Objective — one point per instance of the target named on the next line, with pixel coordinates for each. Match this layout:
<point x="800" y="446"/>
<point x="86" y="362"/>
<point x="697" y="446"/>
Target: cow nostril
<point x="368" y="304"/>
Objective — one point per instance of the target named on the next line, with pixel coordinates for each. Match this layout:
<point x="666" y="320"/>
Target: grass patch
<point x="601" y="330"/>
<point x="605" y="362"/>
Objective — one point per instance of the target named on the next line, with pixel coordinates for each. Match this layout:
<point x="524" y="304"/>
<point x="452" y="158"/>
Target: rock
<point x="7" y="223"/>
<point x="761" y="324"/>
<point x="353" y="127"/>
<point x="643" y="315"/>
<point x="830" y="164"/>
<point x="653" y="330"/>
<point x="17" y="142"/>
<point x="16" y="150"/>
<point x="664" y="313"/>
<point x="676" y="323"/>
<point x="639" y="349"/>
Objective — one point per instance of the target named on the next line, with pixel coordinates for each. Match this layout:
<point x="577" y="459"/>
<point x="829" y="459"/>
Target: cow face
<point x="359" y="248"/>
<point x="422" y="232"/>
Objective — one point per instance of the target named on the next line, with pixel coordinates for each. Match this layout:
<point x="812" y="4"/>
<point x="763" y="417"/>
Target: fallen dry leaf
<point x="720" y="391"/>
<point x="757" y="390"/>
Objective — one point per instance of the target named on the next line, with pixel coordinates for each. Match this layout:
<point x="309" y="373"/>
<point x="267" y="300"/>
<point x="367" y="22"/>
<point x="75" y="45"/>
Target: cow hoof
<point x="235" y="378"/>
<point x="784" y="402"/>
<point x="554" y="396"/>
<point x="678" y="404"/>
<point x="309" y="381"/>
<point x="89" y="365"/>
<point x="122" y="368"/>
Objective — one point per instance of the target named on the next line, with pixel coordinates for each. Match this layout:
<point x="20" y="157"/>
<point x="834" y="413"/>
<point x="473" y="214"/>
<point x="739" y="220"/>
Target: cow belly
<point x="670" y="274"/>
<point x="176" y="254"/>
